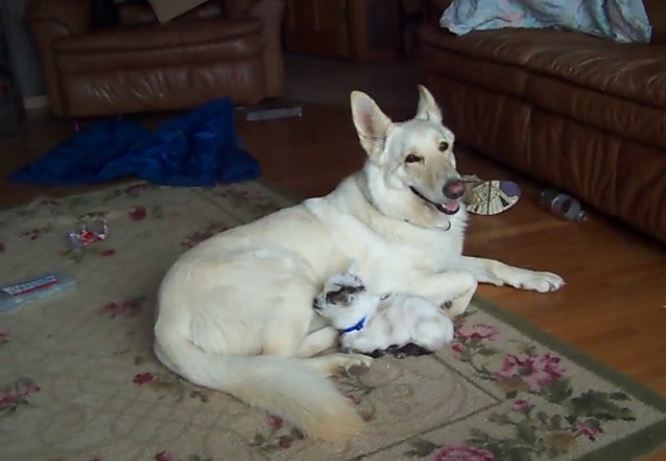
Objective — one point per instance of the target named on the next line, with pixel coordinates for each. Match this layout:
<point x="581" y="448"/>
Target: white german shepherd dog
<point x="235" y="312"/>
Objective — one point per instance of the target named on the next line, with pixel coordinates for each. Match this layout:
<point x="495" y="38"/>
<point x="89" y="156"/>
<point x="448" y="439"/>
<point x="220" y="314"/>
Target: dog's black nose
<point x="454" y="189"/>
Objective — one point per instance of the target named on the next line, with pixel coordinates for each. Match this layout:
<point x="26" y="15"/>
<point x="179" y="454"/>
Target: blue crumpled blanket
<point x="620" y="20"/>
<point x="199" y="148"/>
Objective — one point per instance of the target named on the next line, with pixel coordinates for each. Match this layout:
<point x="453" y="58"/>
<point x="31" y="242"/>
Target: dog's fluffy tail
<point x="283" y="386"/>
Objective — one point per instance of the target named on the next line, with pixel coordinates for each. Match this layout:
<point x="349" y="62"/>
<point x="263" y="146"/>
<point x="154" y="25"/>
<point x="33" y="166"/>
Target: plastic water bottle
<point x="562" y="205"/>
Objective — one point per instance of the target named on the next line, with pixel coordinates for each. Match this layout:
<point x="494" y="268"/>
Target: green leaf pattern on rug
<point x="473" y="343"/>
<point x="358" y="392"/>
<point x="540" y="380"/>
<point x="421" y="448"/>
<point x="37" y="232"/>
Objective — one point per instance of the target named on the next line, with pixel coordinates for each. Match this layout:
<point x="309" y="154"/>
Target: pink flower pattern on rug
<point x="588" y="430"/>
<point x="16" y="394"/>
<point x="127" y="308"/>
<point x="478" y="332"/>
<point x="539" y="434"/>
<point x="143" y="378"/>
<point x="164" y="456"/>
<point x="537" y="371"/>
<point x="278" y="436"/>
<point x="521" y="406"/>
<point x="138" y="213"/>
<point x="463" y="453"/>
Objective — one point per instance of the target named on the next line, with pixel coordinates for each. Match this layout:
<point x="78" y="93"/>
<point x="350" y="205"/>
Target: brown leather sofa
<point x="585" y="114"/>
<point x="221" y="48"/>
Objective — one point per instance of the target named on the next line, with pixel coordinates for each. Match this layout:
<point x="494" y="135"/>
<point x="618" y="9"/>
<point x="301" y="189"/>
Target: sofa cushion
<point x="162" y="88"/>
<point x="580" y="77"/>
<point x="171" y="44"/>
<point x="156" y="37"/>
<point x="635" y="72"/>
<point x="640" y="122"/>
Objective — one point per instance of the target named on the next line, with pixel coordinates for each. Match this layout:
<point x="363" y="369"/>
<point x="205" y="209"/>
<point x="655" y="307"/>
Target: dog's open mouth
<point x="450" y="207"/>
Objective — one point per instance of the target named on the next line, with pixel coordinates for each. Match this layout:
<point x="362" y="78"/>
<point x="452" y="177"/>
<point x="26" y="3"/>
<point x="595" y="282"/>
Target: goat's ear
<point x="371" y="123"/>
<point x="428" y="108"/>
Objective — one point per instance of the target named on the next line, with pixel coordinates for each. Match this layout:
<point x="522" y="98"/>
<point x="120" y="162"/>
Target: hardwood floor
<point x="614" y="304"/>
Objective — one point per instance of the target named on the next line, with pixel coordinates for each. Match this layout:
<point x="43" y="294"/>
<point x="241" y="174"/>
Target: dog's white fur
<point x="369" y="322"/>
<point x="235" y="312"/>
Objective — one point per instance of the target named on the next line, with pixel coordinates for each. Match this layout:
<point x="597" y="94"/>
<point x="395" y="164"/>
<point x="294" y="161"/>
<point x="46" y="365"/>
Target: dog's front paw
<point x="543" y="282"/>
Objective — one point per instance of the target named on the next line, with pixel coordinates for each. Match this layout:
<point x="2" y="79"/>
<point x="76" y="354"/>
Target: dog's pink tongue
<point x="452" y="206"/>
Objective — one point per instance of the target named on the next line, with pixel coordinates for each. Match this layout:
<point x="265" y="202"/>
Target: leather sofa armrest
<point x="74" y="16"/>
<point x="49" y="21"/>
<point x="270" y="13"/>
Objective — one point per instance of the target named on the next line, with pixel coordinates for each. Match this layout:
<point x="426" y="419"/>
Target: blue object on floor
<point x="199" y="148"/>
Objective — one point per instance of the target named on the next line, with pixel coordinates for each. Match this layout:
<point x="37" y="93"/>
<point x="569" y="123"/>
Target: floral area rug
<point x="78" y="380"/>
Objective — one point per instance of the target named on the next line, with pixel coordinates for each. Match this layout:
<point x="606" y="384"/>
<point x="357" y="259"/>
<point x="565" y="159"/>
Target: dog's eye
<point x="443" y="146"/>
<point x="411" y="158"/>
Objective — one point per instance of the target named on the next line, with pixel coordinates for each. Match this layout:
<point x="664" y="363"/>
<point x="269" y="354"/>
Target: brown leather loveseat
<point x="221" y="48"/>
<point x="583" y="113"/>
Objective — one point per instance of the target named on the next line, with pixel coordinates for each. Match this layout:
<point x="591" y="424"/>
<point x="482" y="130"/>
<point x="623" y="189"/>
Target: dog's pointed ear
<point x="371" y="123"/>
<point x="428" y="108"/>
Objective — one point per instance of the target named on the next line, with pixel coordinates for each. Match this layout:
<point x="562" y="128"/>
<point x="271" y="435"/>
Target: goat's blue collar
<point x="357" y="327"/>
